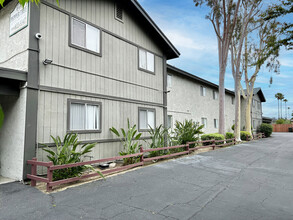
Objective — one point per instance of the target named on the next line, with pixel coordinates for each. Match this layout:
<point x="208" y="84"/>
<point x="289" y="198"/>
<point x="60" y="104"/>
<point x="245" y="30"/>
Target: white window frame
<point x="216" y="123"/>
<point x="202" y="91"/>
<point x="215" y="95"/>
<point x="140" y="50"/>
<point x="147" y="110"/>
<point x="86" y="103"/>
<point x="204" y="121"/>
<point x="85" y="48"/>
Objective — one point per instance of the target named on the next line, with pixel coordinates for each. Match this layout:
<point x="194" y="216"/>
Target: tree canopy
<point x="22" y="2"/>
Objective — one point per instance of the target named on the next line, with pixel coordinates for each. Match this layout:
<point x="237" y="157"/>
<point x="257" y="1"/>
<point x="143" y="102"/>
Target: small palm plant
<point x="66" y="153"/>
<point x="158" y="135"/>
<point x="129" y="139"/>
<point x="187" y="131"/>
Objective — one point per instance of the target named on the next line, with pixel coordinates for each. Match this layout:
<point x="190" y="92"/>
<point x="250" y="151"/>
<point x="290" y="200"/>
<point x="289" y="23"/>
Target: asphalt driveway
<point x="248" y="181"/>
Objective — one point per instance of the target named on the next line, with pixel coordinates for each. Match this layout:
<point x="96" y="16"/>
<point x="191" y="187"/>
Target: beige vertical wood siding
<point x="113" y="74"/>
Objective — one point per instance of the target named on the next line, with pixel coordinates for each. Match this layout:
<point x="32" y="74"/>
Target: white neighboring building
<point x="191" y="97"/>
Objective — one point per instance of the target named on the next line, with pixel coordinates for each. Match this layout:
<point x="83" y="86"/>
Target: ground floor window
<point x="84" y="116"/>
<point x="146" y="118"/>
<point x="216" y="123"/>
<point x="204" y="121"/>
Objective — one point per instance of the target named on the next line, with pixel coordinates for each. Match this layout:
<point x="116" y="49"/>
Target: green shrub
<point x="283" y="121"/>
<point x="187" y="131"/>
<point x="214" y="136"/>
<point x="67" y="153"/>
<point x="157" y="139"/>
<point x="229" y="135"/>
<point x="233" y="126"/>
<point x="244" y="135"/>
<point x="267" y="129"/>
<point x="129" y="140"/>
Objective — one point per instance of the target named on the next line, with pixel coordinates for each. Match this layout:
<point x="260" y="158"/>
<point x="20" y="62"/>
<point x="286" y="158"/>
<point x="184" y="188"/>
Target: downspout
<point x="165" y="117"/>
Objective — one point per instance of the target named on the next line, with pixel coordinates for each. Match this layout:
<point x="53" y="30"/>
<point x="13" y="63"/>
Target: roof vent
<point x="118" y="11"/>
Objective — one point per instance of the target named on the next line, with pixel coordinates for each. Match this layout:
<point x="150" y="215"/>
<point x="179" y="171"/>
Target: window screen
<point x="146" y="60"/>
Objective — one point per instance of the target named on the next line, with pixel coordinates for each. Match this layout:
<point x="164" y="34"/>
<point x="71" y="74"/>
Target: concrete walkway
<point x="249" y="181"/>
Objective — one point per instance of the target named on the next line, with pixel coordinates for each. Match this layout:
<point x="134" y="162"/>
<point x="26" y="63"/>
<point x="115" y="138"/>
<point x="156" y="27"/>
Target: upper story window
<point x="233" y="100"/>
<point x="216" y="123"/>
<point x="119" y="11"/>
<point x="146" y="60"/>
<point x="215" y="95"/>
<point x="258" y="105"/>
<point x="85" y="36"/>
<point x="146" y="118"/>
<point x="204" y="121"/>
<point x="84" y="116"/>
<point x="169" y="80"/>
<point x="202" y="91"/>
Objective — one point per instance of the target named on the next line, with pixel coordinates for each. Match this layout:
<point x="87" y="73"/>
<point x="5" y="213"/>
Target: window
<point x="85" y="36"/>
<point x="253" y="102"/>
<point x="258" y="105"/>
<point x="216" y="123"/>
<point x="146" y="119"/>
<point x="233" y="100"/>
<point x="169" y="80"/>
<point x="215" y="95"/>
<point x="202" y="91"/>
<point x="169" y="123"/>
<point x="118" y="11"/>
<point x="146" y="60"/>
<point x="204" y="121"/>
<point x="84" y="116"/>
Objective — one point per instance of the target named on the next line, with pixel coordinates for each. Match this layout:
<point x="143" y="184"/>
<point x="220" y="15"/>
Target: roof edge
<point x="189" y="75"/>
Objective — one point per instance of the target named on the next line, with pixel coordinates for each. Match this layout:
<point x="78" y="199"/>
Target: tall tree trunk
<point x="278" y="109"/>
<point x="222" y="99"/>
<point x="281" y="109"/>
<point x="237" y="109"/>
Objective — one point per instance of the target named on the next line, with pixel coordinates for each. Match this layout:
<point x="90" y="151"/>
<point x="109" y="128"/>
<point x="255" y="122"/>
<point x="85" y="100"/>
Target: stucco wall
<point x="12" y="136"/>
<point x="186" y="102"/>
<point x="13" y="49"/>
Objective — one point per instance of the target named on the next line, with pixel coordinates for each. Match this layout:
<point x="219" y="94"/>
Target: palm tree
<point x="288" y="112"/>
<point x="277" y="96"/>
<point x="285" y="100"/>
<point x="281" y="98"/>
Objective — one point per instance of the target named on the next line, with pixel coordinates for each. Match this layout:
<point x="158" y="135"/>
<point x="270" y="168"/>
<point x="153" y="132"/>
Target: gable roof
<point x="172" y="69"/>
<point x="258" y="91"/>
<point x="155" y="32"/>
<point x="169" y="49"/>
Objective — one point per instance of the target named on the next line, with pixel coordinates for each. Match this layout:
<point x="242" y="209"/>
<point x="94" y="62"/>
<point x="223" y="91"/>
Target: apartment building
<point x="191" y="97"/>
<point x="81" y="67"/>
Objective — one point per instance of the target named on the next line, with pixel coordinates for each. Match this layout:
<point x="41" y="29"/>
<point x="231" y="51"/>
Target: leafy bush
<point x="233" y="126"/>
<point x="129" y="140"/>
<point x="283" y="121"/>
<point x="214" y="136"/>
<point x="187" y="131"/>
<point x="244" y="135"/>
<point x="267" y="129"/>
<point x="157" y="139"/>
<point x="229" y="135"/>
<point x="67" y="153"/>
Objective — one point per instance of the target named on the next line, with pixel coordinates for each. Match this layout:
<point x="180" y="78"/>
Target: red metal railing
<point x="51" y="167"/>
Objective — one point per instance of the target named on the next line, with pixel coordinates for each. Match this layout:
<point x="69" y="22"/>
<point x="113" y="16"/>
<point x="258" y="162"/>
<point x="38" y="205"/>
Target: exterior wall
<point x="112" y="78"/>
<point x="14" y="49"/>
<point x="12" y="136"/>
<point x="256" y="113"/>
<point x="186" y="102"/>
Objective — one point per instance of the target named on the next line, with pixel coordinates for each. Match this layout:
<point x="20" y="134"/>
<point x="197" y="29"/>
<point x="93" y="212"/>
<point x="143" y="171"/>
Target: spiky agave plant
<point x="67" y="152"/>
<point x="129" y="139"/>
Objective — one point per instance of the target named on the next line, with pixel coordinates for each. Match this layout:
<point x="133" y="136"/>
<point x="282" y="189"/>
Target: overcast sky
<point x="193" y="35"/>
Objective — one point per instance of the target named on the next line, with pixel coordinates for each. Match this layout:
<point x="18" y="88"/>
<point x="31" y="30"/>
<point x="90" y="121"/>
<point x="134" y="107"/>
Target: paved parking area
<point x="249" y="181"/>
